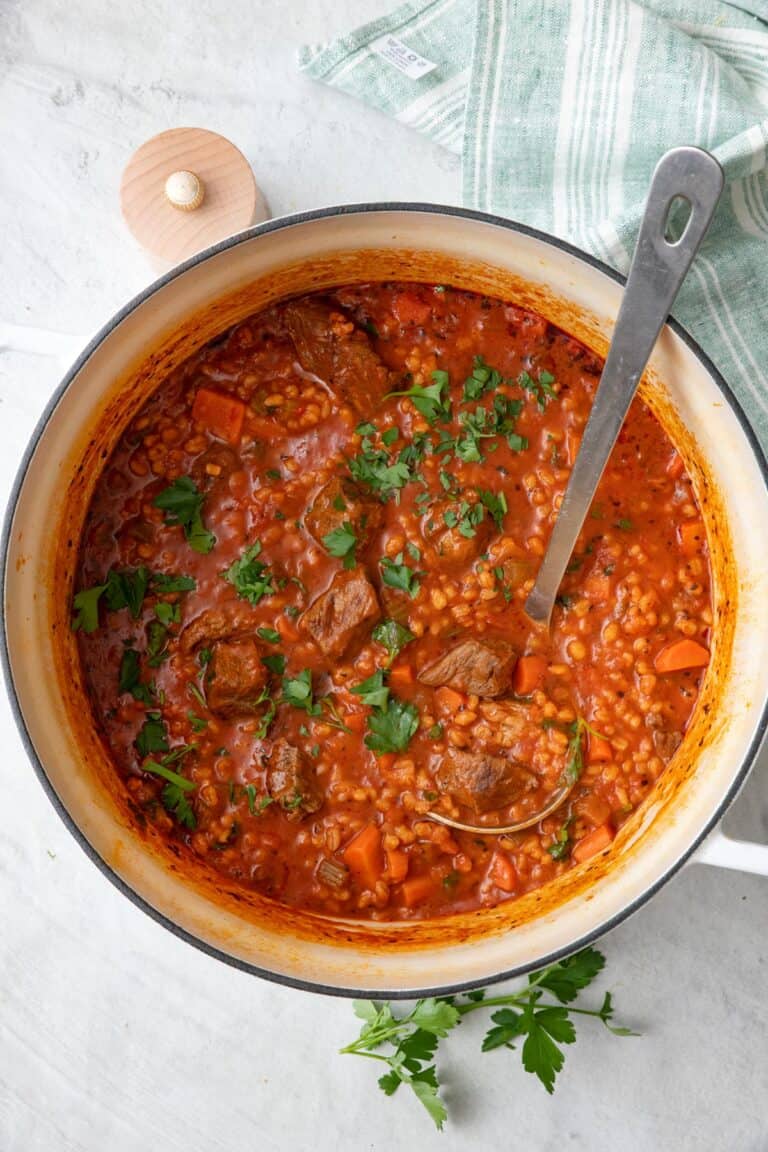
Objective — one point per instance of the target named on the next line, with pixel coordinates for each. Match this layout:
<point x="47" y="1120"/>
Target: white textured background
<point x="115" y="1036"/>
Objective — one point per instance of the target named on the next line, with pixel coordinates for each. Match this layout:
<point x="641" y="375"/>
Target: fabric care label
<point x="397" y="53"/>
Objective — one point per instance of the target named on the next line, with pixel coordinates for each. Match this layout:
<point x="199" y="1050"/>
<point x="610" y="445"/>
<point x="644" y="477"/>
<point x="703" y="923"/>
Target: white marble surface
<point x="113" y="1034"/>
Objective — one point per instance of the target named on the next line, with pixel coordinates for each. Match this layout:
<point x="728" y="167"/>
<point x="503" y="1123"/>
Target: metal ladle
<point x="659" y="266"/>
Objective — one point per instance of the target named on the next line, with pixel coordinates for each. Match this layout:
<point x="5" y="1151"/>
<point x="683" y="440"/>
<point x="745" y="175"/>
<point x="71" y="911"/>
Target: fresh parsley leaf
<point x="251" y="579"/>
<point x="392" y="636"/>
<point x="398" y="575"/>
<point x="341" y="542"/>
<point x="483" y="379"/>
<point x="86" y="607"/>
<point x="197" y="723"/>
<point x="167" y="613"/>
<point x="624" y="525"/>
<point x="391" y="729"/>
<point x="366" y="429"/>
<point x="495" y="504"/>
<point x="157" y="643"/>
<point x="126" y="589"/>
<point x="270" y="635"/>
<point x="161" y="582"/>
<point x="275" y="662"/>
<point x="561" y="848"/>
<point x="373" y="691"/>
<point x="390" y="435"/>
<point x="152" y="736"/>
<point x="129" y="677"/>
<point x="430" y="400"/>
<point x="182" y="504"/>
<point x="408" y="1044"/>
<point x="541" y="389"/>
<point x="436" y="732"/>
<point x="372" y="469"/>
<point x="174" y="794"/>
<point x="297" y="690"/>
<point x="256" y="804"/>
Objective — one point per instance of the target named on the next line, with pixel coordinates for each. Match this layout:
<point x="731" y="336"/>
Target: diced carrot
<point x="397" y="865"/>
<point x="221" y="414"/>
<point x="676" y="467"/>
<point x="363" y="855"/>
<point x="386" y="761"/>
<point x="692" y="537"/>
<point x="417" y="890"/>
<point x="502" y="872"/>
<point x="529" y="673"/>
<point x="572" y="445"/>
<point x="597" y="587"/>
<point x="594" y="842"/>
<point x="410" y="309"/>
<point x="449" y="701"/>
<point x="355" y="721"/>
<point x="600" y="750"/>
<point x="401" y="676"/>
<point x="681" y="654"/>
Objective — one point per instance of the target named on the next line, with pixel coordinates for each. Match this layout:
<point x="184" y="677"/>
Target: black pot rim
<point x="5" y="540"/>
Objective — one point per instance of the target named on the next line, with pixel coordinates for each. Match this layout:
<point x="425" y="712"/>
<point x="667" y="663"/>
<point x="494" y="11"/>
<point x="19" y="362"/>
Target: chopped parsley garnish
<point x="398" y="575"/>
<point x="275" y="662"/>
<point x="157" y="643"/>
<point x="624" y="525"/>
<point x="372" y="468"/>
<point x="496" y="505"/>
<point x="152" y="736"/>
<point x="541" y="389"/>
<point x="297" y="690"/>
<point x="270" y="635"/>
<point x="250" y="578"/>
<point x="161" y="582"/>
<point x="341" y="542"/>
<point x="168" y="613"/>
<point x="483" y="379"/>
<point x="174" y="794"/>
<point x="466" y="519"/>
<point x="561" y="848"/>
<point x="484" y="424"/>
<point x="435" y="733"/>
<point x="392" y="636"/>
<point x="366" y="429"/>
<point x="431" y="400"/>
<point x="256" y="804"/>
<point x="126" y="589"/>
<point x="86" y="607"/>
<point x="197" y="723"/>
<point x="389" y="436"/>
<point x="182" y="504"/>
<point x="272" y="474"/>
<point x="130" y="677"/>
<point x="390" y="729"/>
<point x="373" y="691"/>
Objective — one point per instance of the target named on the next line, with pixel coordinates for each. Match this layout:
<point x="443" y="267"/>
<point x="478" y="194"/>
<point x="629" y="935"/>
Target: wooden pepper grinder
<point x="186" y="189"/>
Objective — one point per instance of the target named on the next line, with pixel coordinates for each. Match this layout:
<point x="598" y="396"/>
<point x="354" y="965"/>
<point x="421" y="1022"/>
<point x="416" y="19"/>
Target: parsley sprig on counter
<point x="541" y="1015"/>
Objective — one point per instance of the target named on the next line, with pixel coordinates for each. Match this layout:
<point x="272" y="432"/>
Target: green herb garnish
<point x="392" y="636"/>
<point x="251" y="579"/>
<point x="398" y="575"/>
<point x="540" y="1015"/>
<point x="182" y="504"/>
<point x="341" y="542"/>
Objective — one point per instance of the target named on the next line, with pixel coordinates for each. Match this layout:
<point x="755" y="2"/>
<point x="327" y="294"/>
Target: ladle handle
<point x="658" y="268"/>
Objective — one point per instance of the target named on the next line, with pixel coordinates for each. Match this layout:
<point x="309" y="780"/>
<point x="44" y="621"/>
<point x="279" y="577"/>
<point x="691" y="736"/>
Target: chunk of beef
<point x="480" y="781"/>
<point x="292" y="781"/>
<point x="341" y="613"/>
<point x="234" y="677"/>
<point x="341" y="502"/>
<point x="448" y="545"/>
<point x="233" y="619"/>
<point x="344" y="359"/>
<point x="481" y="667"/>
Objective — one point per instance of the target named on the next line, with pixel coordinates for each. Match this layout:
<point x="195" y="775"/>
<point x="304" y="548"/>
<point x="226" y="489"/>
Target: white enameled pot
<point x="103" y="391"/>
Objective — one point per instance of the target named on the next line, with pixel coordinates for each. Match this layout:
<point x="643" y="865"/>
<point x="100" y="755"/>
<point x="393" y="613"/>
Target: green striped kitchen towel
<point x="560" y="110"/>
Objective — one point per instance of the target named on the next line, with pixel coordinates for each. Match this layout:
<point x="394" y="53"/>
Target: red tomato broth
<point x="638" y="582"/>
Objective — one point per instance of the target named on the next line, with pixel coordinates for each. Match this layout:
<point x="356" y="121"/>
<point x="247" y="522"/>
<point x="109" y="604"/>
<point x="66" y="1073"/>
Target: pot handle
<point x="725" y="852"/>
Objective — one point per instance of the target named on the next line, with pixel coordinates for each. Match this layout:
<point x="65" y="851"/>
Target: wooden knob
<point x="186" y="189"/>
